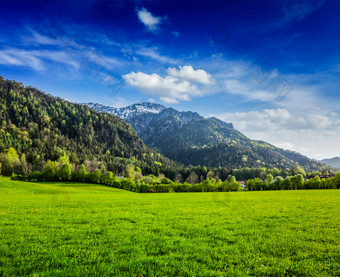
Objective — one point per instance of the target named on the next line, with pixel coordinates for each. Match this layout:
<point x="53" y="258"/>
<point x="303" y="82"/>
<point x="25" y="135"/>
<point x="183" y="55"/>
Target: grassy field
<point x="76" y="229"/>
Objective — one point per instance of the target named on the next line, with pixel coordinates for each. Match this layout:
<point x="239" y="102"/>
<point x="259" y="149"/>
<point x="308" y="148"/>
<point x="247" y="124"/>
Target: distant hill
<point x="191" y="139"/>
<point x="334" y="162"/>
<point x="44" y="127"/>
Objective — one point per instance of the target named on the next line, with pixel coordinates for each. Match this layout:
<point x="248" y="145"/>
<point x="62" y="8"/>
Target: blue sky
<point x="270" y="67"/>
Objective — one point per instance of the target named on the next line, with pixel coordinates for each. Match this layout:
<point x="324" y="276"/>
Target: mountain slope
<point x="334" y="162"/>
<point x="192" y="139"/>
<point x="44" y="127"/>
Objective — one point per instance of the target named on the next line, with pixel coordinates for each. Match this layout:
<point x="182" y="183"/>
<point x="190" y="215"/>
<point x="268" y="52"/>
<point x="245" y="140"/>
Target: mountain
<point x="191" y="139"/>
<point x="44" y="128"/>
<point x="334" y="162"/>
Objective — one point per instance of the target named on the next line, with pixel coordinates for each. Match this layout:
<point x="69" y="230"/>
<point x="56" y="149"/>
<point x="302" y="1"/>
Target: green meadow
<point x="79" y="229"/>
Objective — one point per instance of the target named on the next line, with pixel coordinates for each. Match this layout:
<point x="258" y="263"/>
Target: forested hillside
<point x="41" y="127"/>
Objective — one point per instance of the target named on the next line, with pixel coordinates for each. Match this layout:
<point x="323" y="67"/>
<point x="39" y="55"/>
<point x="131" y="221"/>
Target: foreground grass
<point x="76" y="229"/>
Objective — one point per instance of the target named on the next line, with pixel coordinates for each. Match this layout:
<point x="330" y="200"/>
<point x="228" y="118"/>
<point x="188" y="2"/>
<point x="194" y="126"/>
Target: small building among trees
<point x="320" y="176"/>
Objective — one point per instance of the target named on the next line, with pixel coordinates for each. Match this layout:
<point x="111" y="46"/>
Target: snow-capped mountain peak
<point x="129" y="111"/>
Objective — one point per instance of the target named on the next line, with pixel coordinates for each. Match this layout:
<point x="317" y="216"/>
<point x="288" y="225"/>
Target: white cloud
<point x="150" y="21"/>
<point x="69" y="53"/>
<point x="34" y="58"/>
<point x="188" y="73"/>
<point x="171" y="100"/>
<point x="153" y="54"/>
<point x="43" y="40"/>
<point x="285" y="145"/>
<point x="168" y="89"/>
<point x="276" y="120"/>
<point x="120" y="102"/>
<point x="298" y="10"/>
<point x="58" y="56"/>
<point x="179" y="85"/>
<point x="18" y="57"/>
<point x="91" y="55"/>
<point x="248" y="89"/>
<point x="314" y="135"/>
<point x="60" y="41"/>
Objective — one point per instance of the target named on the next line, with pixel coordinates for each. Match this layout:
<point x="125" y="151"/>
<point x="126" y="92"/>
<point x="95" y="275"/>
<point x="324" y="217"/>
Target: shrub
<point x="35" y="176"/>
<point x="144" y="188"/>
<point x="161" y="188"/>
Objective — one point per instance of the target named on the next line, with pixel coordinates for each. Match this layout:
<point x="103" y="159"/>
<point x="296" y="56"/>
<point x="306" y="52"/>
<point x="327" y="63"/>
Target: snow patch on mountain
<point x="130" y="111"/>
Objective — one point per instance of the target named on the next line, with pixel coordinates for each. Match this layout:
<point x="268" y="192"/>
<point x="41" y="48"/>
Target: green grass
<point x="76" y="229"/>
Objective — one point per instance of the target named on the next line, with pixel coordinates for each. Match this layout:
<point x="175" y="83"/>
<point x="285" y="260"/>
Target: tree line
<point x="133" y="179"/>
<point x="293" y="183"/>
